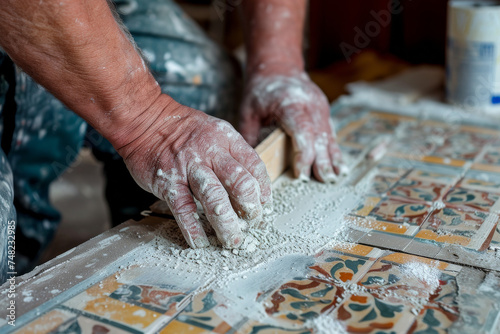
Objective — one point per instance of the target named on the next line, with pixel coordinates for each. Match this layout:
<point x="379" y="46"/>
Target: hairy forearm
<point x="274" y="33"/>
<point x="79" y="53"/>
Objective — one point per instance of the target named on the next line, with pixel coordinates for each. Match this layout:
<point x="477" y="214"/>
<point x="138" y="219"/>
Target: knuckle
<point x="184" y="206"/>
<point x="215" y="195"/>
<point x="246" y="186"/>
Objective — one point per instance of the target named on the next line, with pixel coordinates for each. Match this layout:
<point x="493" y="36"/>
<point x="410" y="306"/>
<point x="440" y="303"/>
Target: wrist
<point x="270" y="67"/>
<point x="145" y="120"/>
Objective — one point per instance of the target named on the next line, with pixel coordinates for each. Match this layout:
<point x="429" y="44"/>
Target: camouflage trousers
<point x="40" y="137"/>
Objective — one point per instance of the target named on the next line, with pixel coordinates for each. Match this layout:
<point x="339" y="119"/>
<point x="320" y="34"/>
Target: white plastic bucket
<point x="473" y="54"/>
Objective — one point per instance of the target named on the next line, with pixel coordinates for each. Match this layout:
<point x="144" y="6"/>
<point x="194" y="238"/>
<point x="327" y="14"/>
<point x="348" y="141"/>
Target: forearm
<point x="274" y="33"/>
<point x="79" y="53"/>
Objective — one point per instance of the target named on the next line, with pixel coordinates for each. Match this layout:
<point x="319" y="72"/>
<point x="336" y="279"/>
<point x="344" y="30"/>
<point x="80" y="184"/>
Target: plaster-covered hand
<point x="292" y="100"/>
<point x="187" y="153"/>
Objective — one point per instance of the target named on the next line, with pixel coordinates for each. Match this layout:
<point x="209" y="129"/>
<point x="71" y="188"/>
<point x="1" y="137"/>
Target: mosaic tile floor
<point x="365" y="289"/>
<point x="437" y="183"/>
<point x="430" y="210"/>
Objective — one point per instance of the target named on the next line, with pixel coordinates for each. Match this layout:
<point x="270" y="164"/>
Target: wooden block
<point x="276" y="152"/>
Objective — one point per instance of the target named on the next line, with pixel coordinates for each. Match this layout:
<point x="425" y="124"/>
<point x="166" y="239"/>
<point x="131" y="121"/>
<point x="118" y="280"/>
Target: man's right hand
<point x="187" y="154"/>
<point x="79" y="53"/>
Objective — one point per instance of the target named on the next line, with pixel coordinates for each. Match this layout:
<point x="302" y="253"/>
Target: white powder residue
<point x="140" y="313"/>
<point x="325" y="324"/>
<point x="221" y="269"/>
<point x="427" y="274"/>
<point x="491" y="284"/>
<point x="27" y="296"/>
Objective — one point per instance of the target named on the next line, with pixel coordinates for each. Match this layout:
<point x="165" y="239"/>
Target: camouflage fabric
<point x="41" y="137"/>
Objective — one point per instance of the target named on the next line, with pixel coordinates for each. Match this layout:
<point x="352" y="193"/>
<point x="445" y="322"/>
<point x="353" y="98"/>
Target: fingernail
<point x="267" y="209"/>
<point x="330" y="177"/>
<point x="344" y="170"/>
<point x="201" y="242"/>
<point x="304" y="177"/>
<point x="304" y="174"/>
<point x="233" y="241"/>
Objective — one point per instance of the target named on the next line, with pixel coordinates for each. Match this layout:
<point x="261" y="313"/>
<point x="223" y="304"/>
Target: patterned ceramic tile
<point x="434" y="319"/>
<point x="418" y="139"/>
<point x="418" y="190"/>
<point x="431" y="131"/>
<point x="380" y="184"/>
<point x="255" y="327"/>
<point x="47" y="322"/>
<point x="394" y="167"/>
<point x="122" y="313"/>
<point x="479" y="305"/>
<point x="84" y="324"/>
<point x="471" y="229"/>
<point x="354" y="249"/>
<point x="411" y="148"/>
<point x="396" y="211"/>
<point x="96" y="303"/>
<point x="481" y="181"/>
<point x="158" y="299"/>
<point x="321" y="291"/>
<point x="387" y="278"/>
<point x="366" y="313"/>
<point x="299" y="300"/>
<point x="444" y="161"/>
<point x="380" y="124"/>
<point x="404" y="280"/>
<point x="365" y="207"/>
<point x="490" y="156"/>
<point x="359" y="138"/>
<point x="435" y="173"/>
<point x="446" y="294"/>
<point x="349" y="127"/>
<point x="402" y="258"/>
<point x="471" y="200"/>
<point x="463" y="145"/>
<point x="370" y="223"/>
<point x="201" y="316"/>
<point x="352" y="155"/>
<point x="337" y="267"/>
<point x="351" y="152"/>
<point x="451" y="220"/>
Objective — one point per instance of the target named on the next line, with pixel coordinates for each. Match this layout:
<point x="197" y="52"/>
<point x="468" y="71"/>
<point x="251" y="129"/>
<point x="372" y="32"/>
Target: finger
<point x="217" y="206"/>
<point x="323" y="168"/>
<point x="251" y="161"/>
<point x="242" y="188"/>
<point x="250" y="125"/>
<point x="303" y="155"/>
<point x="339" y="166"/>
<point x="183" y="207"/>
<point x="336" y="154"/>
<point x="300" y="127"/>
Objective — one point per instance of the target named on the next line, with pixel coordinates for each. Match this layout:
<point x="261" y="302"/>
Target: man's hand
<point x="291" y="99"/>
<point x="278" y="89"/>
<point x="78" y="52"/>
<point x="187" y="154"/>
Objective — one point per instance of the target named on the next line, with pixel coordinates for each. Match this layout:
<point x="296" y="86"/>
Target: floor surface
<point x="79" y="196"/>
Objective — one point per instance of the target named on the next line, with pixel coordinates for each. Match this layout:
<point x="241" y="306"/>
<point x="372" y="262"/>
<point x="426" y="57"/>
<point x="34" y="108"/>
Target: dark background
<point x="416" y="35"/>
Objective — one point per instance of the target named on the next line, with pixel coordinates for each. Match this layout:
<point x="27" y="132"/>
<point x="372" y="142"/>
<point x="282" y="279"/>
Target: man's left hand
<point x="291" y="99"/>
